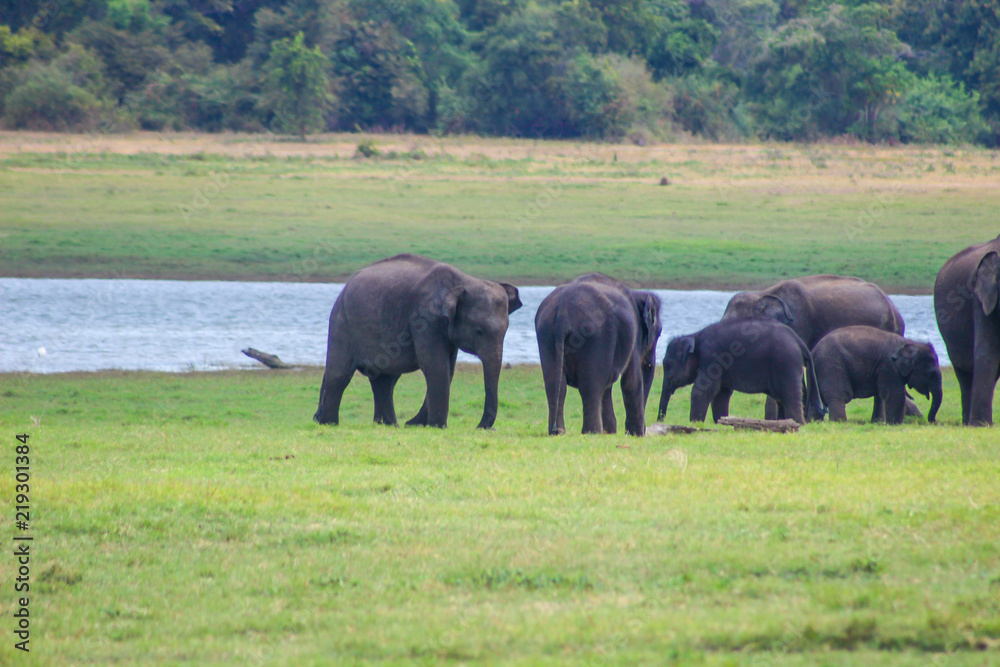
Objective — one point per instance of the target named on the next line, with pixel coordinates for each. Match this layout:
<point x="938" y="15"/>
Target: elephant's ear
<point x="688" y="345"/>
<point x="987" y="275"/>
<point x="513" y="298"/>
<point x="774" y="307"/>
<point x="902" y="359"/>
<point x="449" y="301"/>
<point x="649" y="310"/>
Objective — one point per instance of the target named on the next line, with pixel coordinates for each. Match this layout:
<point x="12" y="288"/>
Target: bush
<point x="940" y="111"/>
<point x="65" y="94"/>
<point x="710" y="107"/>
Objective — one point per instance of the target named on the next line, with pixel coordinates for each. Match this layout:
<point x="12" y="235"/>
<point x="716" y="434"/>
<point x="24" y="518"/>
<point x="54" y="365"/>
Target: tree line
<point x="925" y="71"/>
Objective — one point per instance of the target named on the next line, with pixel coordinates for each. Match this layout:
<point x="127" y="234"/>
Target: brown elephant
<point x="409" y="313"/>
<point x="865" y="362"/>
<point x="590" y="332"/>
<point x="965" y="303"/>
<point x="813" y="306"/>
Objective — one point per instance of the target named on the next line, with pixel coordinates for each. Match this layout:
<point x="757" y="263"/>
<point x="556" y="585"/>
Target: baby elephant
<point x="591" y="331"/>
<point x="861" y="362"/>
<point x="749" y="355"/>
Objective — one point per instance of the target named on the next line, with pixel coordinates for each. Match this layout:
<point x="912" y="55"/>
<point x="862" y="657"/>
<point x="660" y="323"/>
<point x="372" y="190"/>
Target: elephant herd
<point x="409" y="313"/>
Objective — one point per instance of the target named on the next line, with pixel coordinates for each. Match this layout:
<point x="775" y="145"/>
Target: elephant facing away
<point x="749" y="355"/>
<point x="409" y="313"/>
<point x="965" y="303"/>
<point x="590" y="332"/>
<point x="865" y="362"/>
<point x="813" y="306"/>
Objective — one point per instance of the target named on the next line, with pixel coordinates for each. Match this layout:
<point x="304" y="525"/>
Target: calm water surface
<point x="49" y="325"/>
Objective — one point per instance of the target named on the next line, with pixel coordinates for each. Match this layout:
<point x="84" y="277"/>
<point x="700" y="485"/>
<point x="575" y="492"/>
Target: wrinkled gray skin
<point x="864" y="362"/>
<point x="409" y="313"/>
<point x="813" y="306"/>
<point x="965" y="302"/>
<point x="590" y="332"/>
<point x="749" y="355"/>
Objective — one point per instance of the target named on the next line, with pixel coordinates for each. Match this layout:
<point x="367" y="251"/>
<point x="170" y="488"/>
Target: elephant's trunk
<point x="936" y="395"/>
<point x="664" y="400"/>
<point x="491" y="381"/>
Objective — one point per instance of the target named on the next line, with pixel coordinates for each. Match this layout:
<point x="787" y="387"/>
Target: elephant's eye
<point x="479" y="331"/>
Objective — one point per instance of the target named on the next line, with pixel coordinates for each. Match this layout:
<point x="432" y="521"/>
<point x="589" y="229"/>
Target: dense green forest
<point x="885" y="71"/>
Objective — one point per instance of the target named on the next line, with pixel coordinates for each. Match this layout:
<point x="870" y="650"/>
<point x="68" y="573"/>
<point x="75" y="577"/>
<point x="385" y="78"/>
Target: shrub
<point x="940" y="111"/>
<point x="65" y="94"/>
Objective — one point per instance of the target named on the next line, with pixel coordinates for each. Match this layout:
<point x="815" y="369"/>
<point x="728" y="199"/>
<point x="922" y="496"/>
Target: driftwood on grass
<point x="269" y="360"/>
<point x="663" y="429"/>
<point x="775" y="425"/>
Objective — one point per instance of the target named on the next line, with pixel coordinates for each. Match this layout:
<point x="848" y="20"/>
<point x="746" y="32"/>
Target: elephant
<point x="409" y="313"/>
<point x="752" y="355"/>
<point x="813" y="306"/>
<point x="965" y="303"/>
<point x="863" y="362"/>
<point x="590" y="332"/>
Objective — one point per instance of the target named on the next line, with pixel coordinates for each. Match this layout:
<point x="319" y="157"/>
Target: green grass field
<point x="527" y="212"/>
<point x="204" y="519"/>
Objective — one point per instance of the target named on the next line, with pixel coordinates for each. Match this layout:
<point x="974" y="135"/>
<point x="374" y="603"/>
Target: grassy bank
<point x="205" y="519"/>
<point x="529" y="212"/>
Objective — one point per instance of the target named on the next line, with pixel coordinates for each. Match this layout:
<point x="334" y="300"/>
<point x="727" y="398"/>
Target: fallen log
<point x="774" y="425"/>
<point x="663" y="429"/>
<point x="269" y="360"/>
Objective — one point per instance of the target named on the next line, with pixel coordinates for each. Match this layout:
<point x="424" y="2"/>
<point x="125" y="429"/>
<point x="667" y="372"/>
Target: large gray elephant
<point x="409" y="313"/>
<point x="865" y="362"/>
<point x="591" y="331"/>
<point x="965" y="302"/>
<point x="752" y="355"/>
<point x="813" y="306"/>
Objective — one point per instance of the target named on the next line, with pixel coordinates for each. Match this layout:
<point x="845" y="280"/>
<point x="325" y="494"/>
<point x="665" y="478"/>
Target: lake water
<point x="50" y="325"/>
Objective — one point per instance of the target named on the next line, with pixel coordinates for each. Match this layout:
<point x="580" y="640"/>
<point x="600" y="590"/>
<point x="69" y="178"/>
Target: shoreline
<point x="517" y="282"/>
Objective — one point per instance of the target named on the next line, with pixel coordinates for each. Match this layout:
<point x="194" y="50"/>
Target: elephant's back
<point x="858" y="340"/>
<point x="583" y="304"/>
<point x="841" y="301"/>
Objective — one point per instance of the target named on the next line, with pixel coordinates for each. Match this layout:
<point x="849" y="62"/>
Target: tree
<point x="296" y="86"/>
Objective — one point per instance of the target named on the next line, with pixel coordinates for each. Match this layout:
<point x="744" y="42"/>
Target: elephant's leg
<point x="608" y="419"/>
<point x="985" y="365"/>
<point x="911" y="408"/>
<point x="554" y="377"/>
<point x="837" y="409"/>
<point x="592" y="372"/>
<point x="420" y="419"/>
<point x="720" y="404"/>
<point x="335" y="381"/>
<point x="634" y="396"/>
<point x="964" y="378"/>
<point x="382" y="388"/>
<point x="878" y="409"/>
<point x="593" y="399"/>
<point x="771" y="409"/>
<point x="702" y="394"/>
<point x="790" y="400"/>
<point x="895" y="406"/>
<point x="983" y="385"/>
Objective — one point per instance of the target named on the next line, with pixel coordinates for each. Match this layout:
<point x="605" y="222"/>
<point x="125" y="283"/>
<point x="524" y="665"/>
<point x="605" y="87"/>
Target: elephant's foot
<point x="320" y="418"/>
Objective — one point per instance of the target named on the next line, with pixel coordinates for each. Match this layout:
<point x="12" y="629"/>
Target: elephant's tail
<point x="816" y="409"/>
<point x="555" y="378"/>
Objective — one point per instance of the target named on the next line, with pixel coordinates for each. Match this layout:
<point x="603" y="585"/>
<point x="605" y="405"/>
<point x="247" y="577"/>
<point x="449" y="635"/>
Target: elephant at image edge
<point x="409" y="313"/>
<point x="864" y="362"/>
<point x="813" y="306"/>
<point x="752" y="355"/>
<point x="965" y="303"/>
<point x="590" y="331"/>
